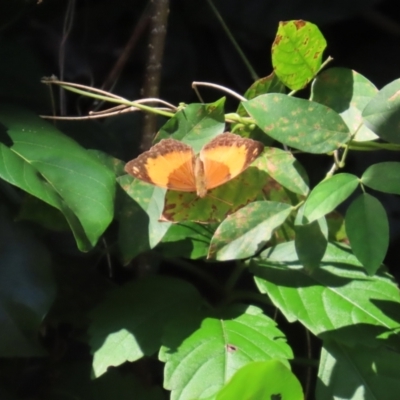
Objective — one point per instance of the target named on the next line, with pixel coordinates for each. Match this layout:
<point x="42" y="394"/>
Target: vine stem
<point x="246" y="62"/>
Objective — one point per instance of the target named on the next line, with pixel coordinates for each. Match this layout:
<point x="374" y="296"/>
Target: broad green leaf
<point x="347" y="92"/>
<point x="130" y="321"/>
<point x="269" y="380"/>
<point x="200" y="360"/>
<point x="27" y="290"/>
<point x="337" y="301"/>
<point x="299" y="123"/>
<point x="269" y="84"/>
<point x="358" y="373"/>
<point x="383" y="176"/>
<point x="311" y="242"/>
<point x="297" y="52"/>
<point x="367" y="228"/>
<point x="187" y="239"/>
<point x="196" y="124"/>
<point x="285" y="169"/>
<point x="54" y="168"/>
<point x="139" y="210"/>
<point x="328" y="194"/>
<point x="382" y="113"/>
<point x="246" y="232"/>
<point x="219" y="202"/>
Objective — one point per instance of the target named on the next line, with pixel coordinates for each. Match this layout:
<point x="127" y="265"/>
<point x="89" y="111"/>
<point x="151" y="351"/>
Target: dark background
<point x="363" y="35"/>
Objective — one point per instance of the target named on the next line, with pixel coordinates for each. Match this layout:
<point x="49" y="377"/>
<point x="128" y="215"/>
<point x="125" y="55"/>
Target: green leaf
<point x="268" y="379"/>
<point x="347" y="92"/>
<point x="367" y="228"/>
<point x="311" y="242"/>
<point x="382" y="113"/>
<point x="383" y="176"/>
<point x="246" y="232"/>
<point x="297" y="52"/>
<point x="187" y="239"/>
<point x="269" y="84"/>
<point x="219" y="202"/>
<point x="358" y="373"/>
<point x="285" y="169"/>
<point x="130" y="322"/>
<point x="140" y="206"/>
<point x="328" y="194"/>
<point x="337" y="301"/>
<point x="54" y="168"/>
<point x="299" y="123"/>
<point x="201" y="359"/>
<point x="196" y="124"/>
<point x="27" y="290"/>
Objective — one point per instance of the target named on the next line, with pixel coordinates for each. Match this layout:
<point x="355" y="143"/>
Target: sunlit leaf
<point x="202" y="355"/>
<point x="196" y="124"/>
<point x="383" y="176"/>
<point x="337" y="301"/>
<point x="297" y="52"/>
<point x="285" y="169"/>
<point x="357" y="373"/>
<point x="130" y="322"/>
<point x="246" y="232"/>
<point x="328" y="194"/>
<point x="298" y="123"/>
<point x="42" y="161"/>
<point x="139" y="210"/>
<point x="347" y="92"/>
<point x="269" y="380"/>
<point x="382" y="113"/>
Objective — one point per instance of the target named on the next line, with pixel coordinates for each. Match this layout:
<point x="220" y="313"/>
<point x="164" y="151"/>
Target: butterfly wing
<point x="226" y="156"/>
<point x="168" y="164"/>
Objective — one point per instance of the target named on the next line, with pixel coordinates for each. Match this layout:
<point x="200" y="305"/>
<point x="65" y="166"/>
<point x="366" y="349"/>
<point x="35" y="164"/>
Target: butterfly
<point x="173" y="165"/>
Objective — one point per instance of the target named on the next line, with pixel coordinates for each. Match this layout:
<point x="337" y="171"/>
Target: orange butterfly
<point x="173" y="165"/>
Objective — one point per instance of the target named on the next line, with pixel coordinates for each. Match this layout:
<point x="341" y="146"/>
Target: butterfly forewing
<point x="227" y="156"/>
<point x="168" y="164"/>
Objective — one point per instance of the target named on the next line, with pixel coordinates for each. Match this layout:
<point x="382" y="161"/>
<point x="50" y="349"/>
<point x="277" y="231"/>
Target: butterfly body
<point x="174" y="165"/>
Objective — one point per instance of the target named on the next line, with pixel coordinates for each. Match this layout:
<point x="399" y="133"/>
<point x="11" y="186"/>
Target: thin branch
<point x="68" y="22"/>
<point x="219" y="87"/>
<point x="246" y="62"/>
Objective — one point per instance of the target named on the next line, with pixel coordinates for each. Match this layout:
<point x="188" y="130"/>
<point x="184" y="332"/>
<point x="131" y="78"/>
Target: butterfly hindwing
<point x="227" y="156"/>
<point x="168" y="164"/>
